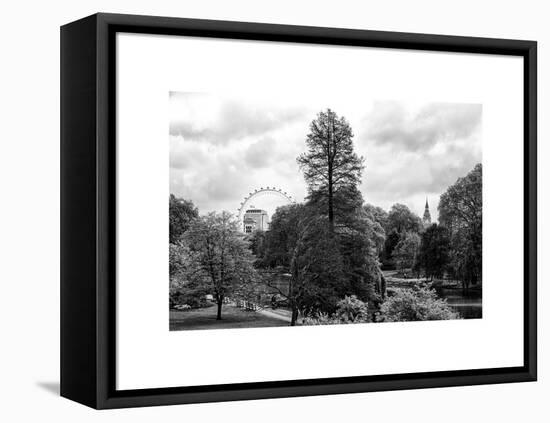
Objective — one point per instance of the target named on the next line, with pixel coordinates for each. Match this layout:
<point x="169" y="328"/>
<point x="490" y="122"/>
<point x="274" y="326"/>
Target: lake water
<point x="469" y="304"/>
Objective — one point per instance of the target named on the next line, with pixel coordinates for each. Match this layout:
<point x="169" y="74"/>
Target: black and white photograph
<point x="297" y="211"/>
<point x="246" y="211"/>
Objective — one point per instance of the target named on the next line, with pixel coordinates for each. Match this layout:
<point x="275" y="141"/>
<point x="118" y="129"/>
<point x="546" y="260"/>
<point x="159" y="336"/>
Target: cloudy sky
<point x="224" y="146"/>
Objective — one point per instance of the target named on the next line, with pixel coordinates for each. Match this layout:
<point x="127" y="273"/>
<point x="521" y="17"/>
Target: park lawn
<point x="232" y="318"/>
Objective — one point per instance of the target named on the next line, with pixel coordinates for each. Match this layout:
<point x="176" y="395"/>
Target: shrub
<point x="348" y="310"/>
<point x="351" y="309"/>
<point x="413" y="304"/>
<point x="321" y="319"/>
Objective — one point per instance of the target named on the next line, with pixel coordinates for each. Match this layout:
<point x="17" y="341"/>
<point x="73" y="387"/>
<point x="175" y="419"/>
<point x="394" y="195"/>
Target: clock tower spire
<point x="427" y="218"/>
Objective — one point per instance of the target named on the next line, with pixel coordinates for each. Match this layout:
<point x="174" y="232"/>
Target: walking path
<point x="279" y="314"/>
<point x="274" y="315"/>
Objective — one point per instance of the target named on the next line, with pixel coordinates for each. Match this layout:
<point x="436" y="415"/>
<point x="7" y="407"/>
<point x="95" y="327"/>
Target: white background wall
<point x="29" y="212"/>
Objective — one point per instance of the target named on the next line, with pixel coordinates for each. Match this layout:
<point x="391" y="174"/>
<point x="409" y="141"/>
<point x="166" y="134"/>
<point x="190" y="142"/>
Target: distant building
<point x="255" y="220"/>
<point x="427" y="218"/>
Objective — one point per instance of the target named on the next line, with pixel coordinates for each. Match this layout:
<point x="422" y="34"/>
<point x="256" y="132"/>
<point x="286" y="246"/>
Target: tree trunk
<point x="330" y="198"/>
<point x="330" y="174"/>
<point x="383" y="285"/>
<point x="219" y="316"/>
<point x="294" y="316"/>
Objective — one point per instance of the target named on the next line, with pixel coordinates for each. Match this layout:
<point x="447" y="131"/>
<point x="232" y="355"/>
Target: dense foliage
<point x="182" y="213"/>
<point x="331" y="168"/>
<point x="419" y="303"/>
<point x="300" y="243"/>
<point x="400" y="223"/>
<point x="402" y="220"/>
<point x="348" y="310"/>
<point x="322" y="259"/>
<point x="434" y="251"/>
<point x="405" y="253"/>
<point x="329" y="245"/>
<point x="460" y="211"/>
<point x="222" y="261"/>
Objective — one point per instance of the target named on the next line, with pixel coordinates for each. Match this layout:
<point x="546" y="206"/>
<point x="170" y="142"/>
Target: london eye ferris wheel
<point x="268" y="195"/>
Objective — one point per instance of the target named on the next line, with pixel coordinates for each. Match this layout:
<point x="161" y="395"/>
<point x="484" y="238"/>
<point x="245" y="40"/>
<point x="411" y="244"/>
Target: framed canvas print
<point x="257" y="211"/>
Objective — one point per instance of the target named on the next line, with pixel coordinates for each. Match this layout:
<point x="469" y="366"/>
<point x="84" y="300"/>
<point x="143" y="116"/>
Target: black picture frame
<point x="88" y="201"/>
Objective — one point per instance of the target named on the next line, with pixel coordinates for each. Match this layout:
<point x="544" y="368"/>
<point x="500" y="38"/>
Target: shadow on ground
<point x="232" y="318"/>
<point x="51" y="387"/>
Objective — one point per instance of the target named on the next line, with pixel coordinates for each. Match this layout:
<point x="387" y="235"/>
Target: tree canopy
<point x="406" y="251"/>
<point x="460" y="211"/>
<point x="434" y="251"/>
<point x="182" y="213"/>
<point x="460" y="206"/>
<point x="332" y="169"/>
<point x="402" y="219"/>
<point x="378" y="214"/>
<point x="300" y="242"/>
<point x="223" y="260"/>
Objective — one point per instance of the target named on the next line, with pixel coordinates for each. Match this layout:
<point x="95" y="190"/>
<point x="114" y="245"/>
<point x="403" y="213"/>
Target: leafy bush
<point x="413" y="304"/>
<point x="348" y="310"/>
<point x="351" y="309"/>
<point x="321" y="319"/>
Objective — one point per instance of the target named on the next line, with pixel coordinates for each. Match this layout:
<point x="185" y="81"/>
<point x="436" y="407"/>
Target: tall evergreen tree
<point x="333" y="172"/>
<point x="331" y="168"/>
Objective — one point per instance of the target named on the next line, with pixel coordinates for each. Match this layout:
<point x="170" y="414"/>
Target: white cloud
<point x="221" y="148"/>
